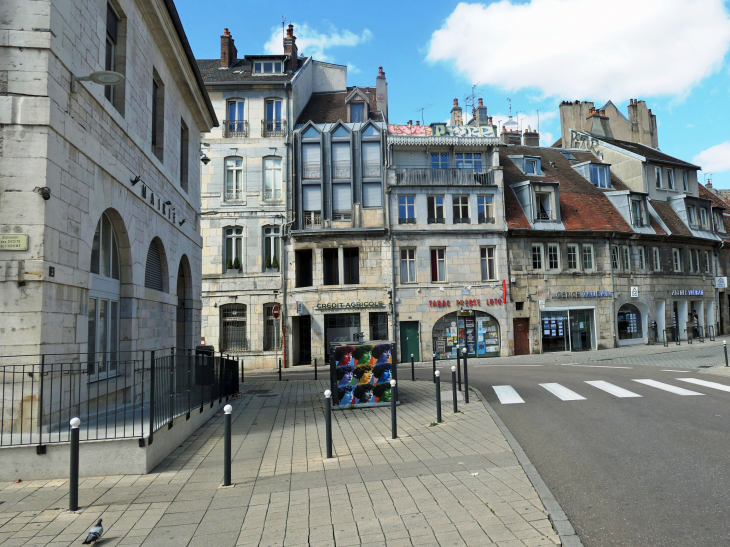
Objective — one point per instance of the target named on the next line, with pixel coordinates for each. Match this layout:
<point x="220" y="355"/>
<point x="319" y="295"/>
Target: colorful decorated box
<point x="361" y="373"/>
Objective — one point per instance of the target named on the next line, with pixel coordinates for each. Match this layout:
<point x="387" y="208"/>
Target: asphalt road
<point x="631" y="471"/>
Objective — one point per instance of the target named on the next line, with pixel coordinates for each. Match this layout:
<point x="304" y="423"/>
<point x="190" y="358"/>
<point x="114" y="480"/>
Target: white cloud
<point x="352" y="69"/>
<point x="311" y="42"/>
<point x="529" y="120"/>
<point x="715" y="159"/>
<point x="586" y="49"/>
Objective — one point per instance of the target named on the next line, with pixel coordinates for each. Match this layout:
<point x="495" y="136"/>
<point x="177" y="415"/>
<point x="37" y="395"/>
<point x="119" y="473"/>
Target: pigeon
<point x="94" y="534"/>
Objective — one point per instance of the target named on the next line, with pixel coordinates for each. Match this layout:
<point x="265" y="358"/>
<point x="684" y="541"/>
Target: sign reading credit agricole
<point x="348" y="305"/>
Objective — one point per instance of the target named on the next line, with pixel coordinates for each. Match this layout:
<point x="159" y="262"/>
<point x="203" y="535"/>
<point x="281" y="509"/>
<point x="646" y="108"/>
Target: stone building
<point x="448" y="232"/>
<point x="246" y="194"/>
<point x="338" y="267"/>
<point x="99" y="184"/>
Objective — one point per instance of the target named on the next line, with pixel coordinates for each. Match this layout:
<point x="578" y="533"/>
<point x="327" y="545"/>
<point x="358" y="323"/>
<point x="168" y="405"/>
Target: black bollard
<point x="73" y="477"/>
<point x="466" y="378"/>
<point x="393" y="421"/>
<point x="434" y="368"/>
<point x="413" y="370"/>
<point x="458" y="365"/>
<point x="328" y="420"/>
<point x="724" y="344"/>
<point x="280" y="370"/>
<point x="453" y="387"/>
<point x="242" y="375"/>
<point x="437" y="379"/>
<point x="315" y="368"/>
<point x="227" y="445"/>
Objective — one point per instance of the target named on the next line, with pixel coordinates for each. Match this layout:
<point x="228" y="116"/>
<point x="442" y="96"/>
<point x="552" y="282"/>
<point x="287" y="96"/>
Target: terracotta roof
<point x="558" y="143"/>
<point x="331" y="108"/>
<point x="240" y="71"/>
<point x="652" y="154"/>
<point x="583" y="207"/>
<point x="670" y="218"/>
<point x="717" y="201"/>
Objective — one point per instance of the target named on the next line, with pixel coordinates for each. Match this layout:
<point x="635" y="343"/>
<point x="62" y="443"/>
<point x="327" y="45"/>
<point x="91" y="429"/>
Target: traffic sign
<point x="276" y="312"/>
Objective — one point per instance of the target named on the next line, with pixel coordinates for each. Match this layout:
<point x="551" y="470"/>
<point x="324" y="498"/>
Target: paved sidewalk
<point x="454" y="484"/>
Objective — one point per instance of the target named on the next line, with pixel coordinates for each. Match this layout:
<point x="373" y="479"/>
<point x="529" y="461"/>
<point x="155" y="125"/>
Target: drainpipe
<point x="287" y="223"/>
<point x="392" y="264"/>
<point x="613" y="291"/>
<point x="717" y="291"/>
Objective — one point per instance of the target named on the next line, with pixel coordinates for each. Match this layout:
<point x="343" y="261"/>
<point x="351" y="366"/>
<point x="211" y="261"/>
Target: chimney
<point x="480" y="114"/>
<point x="381" y="93"/>
<point x="228" y="50"/>
<point x="456" y="118"/>
<point x="530" y="137"/>
<point x="290" y="49"/>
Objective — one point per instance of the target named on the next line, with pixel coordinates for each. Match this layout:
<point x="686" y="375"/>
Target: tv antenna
<point x="471" y="99"/>
<point x="421" y="111"/>
<point x="283" y="26"/>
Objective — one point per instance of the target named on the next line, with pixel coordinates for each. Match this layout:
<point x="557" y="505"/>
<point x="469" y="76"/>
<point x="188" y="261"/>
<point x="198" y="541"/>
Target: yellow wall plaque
<point x="13" y="242"/>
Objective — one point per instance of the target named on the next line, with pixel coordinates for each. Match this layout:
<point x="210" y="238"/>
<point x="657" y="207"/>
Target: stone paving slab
<point x="460" y="483"/>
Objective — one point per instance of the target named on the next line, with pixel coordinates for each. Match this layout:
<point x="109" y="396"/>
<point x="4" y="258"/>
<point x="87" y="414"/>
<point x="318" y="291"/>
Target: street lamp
<point x="101" y="77"/>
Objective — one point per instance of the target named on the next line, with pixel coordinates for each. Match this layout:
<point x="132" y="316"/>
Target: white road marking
<point x="676" y="370"/>
<point x="507" y="395"/>
<point x="612" y="389"/>
<point x="668" y="387"/>
<point x="715" y="385"/>
<point x="592" y="366"/>
<point x="506" y="365"/>
<point x="563" y="393"/>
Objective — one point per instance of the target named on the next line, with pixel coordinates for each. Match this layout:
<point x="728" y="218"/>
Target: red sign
<point x="467" y="303"/>
<point x="275" y="312"/>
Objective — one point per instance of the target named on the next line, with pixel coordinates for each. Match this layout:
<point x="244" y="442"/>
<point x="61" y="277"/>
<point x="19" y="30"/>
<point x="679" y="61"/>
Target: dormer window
<point x="267" y="67"/>
<point x="357" y="112"/>
<point x="719" y="225"/>
<point x="691" y="216"/>
<point x="600" y="176"/>
<point x="637" y="213"/>
<point x="703" y="218"/>
<point x="543" y="207"/>
<point x="532" y="166"/>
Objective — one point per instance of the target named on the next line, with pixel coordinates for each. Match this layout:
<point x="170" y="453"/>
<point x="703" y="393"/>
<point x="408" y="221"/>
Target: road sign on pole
<point x="275" y="312"/>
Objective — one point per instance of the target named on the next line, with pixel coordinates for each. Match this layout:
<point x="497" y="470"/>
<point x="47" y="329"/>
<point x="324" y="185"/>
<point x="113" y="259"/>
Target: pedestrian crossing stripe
<point x="705" y="383"/>
<point x="563" y="393"/>
<point x="612" y="389"/>
<point x="668" y="387"/>
<point x="507" y="395"/>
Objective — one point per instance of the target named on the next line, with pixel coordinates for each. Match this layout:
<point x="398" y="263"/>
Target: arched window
<point x="629" y="322"/>
<point x="233" y="328"/>
<point x="271" y="248"/>
<point x="155" y="270"/>
<point x="272" y="334"/>
<point x="234" y="179"/>
<point x="104" y="250"/>
<point x="272" y="178"/>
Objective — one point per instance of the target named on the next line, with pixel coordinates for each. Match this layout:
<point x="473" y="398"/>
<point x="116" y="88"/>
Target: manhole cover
<point x="256" y="391"/>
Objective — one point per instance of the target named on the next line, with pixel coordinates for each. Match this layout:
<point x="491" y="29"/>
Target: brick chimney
<point x="456" y="117"/>
<point x="381" y="93"/>
<point x="228" y="49"/>
<point x="530" y="137"/>
<point x="480" y="114"/>
<point x="290" y="49"/>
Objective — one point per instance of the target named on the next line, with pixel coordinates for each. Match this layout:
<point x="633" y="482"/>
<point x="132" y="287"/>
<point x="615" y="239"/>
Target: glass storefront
<point x="476" y="330"/>
<point x="567" y="330"/>
<point x="629" y="322"/>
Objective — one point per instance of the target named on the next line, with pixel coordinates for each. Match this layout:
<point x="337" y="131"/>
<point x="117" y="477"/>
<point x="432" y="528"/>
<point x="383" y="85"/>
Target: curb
<point x="558" y="518"/>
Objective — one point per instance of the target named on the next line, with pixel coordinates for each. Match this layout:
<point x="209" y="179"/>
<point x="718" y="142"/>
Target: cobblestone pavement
<point x="455" y="484"/>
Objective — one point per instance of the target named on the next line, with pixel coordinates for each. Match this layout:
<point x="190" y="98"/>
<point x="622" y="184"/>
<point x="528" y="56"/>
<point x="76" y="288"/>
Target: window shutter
<point x="341" y="153"/>
<point x="310" y="153"/>
<point x="371" y="194"/>
<point x="341" y="197"/>
<point x="371" y="152"/>
<point x="153" y="271"/>
<point x="312" y="198"/>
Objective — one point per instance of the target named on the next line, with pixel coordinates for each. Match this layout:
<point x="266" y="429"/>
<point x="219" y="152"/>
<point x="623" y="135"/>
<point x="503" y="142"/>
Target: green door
<point x="409" y="341"/>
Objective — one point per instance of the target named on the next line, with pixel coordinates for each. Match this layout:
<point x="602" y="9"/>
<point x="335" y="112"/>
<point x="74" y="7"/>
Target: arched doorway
<point x="476" y="330"/>
<point x="184" y="323"/>
<point x="629" y="323"/>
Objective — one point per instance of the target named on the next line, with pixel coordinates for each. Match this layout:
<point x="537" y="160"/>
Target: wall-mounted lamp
<point x="135" y="180"/>
<point x="101" y="77"/>
<point x="204" y="158"/>
<point x="45" y="192"/>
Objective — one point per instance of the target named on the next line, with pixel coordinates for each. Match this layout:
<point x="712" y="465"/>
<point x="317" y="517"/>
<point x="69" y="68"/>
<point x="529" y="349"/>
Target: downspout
<point x="613" y="290"/>
<point x="287" y="223"/>
<point x="718" y="308"/>
<point x="393" y="310"/>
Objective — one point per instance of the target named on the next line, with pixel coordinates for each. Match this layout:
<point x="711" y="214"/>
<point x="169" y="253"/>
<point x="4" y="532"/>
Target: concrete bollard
<point x="227" y="445"/>
<point x="453" y="387"/>
<point x="437" y="378"/>
<point x="393" y="420"/>
<point x="466" y="378"/>
<point x="73" y="477"/>
<point x="328" y="420"/>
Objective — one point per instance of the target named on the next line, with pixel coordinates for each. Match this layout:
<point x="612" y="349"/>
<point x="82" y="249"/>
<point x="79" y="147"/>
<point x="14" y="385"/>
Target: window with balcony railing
<point x="235" y="128"/>
<point x="312" y="171"/>
<point x="341" y="170"/>
<point x="444" y="176"/>
<point x="371" y="170"/>
<point x="273" y="128"/>
<point x="312" y="220"/>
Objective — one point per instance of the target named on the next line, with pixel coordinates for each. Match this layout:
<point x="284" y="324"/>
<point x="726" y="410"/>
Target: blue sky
<point x="671" y="53"/>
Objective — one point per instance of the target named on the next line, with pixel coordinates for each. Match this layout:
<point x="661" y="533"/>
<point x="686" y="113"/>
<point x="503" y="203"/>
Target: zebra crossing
<point x="508" y="395"/>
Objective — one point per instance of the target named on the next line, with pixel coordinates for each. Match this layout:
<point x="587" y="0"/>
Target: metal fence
<point x="124" y="395"/>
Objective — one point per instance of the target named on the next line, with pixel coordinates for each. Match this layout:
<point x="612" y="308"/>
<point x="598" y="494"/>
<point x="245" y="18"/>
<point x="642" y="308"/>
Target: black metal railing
<point x="235" y="128"/>
<point x="273" y="128"/>
<point x="311" y="170"/>
<point x="448" y="176"/>
<point x="124" y="395"/>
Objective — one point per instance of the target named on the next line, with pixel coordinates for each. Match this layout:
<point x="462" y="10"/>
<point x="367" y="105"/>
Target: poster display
<point x="476" y="330"/>
<point x="362" y="373"/>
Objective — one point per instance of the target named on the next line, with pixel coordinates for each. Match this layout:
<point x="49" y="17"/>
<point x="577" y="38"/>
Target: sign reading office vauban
<point x="688" y="292"/>
<point x="348" y="305"/>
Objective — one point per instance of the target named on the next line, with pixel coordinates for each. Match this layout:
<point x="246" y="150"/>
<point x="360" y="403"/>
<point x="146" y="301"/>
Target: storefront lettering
<point x="466" y="303"/>
<point x="689" y="292"/>
<point x="584" y="294"/>
<point x="349" y="305"/>
<point x="439" y="303"/>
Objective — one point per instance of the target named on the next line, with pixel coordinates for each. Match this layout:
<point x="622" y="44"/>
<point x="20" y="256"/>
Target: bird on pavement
<point x="94" y="534"/>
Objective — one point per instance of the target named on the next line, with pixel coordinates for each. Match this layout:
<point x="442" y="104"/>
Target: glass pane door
<point x="91" y="351"/>
<point x="103" y="338"/>
<point x="554" y="331"/>
<point x="581" y="327"/>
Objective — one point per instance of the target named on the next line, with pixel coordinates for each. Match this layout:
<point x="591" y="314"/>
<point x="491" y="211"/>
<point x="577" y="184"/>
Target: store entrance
<point x="567" y="330"/>
<point x="475" y="330"/>
<point x="580" y="330"/>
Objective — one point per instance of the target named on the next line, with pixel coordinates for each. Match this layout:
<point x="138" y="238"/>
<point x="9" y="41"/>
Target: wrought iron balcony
<point x="235" y="129"/>
<point x="448" y="176"/>
<point x="312" y="220"/>
<point x="341" y="170"/>
<point x="371" y="170"/>
<point x="233" y="196"/>
<point x="311" y="170"/>
<point x="273" y="128"/>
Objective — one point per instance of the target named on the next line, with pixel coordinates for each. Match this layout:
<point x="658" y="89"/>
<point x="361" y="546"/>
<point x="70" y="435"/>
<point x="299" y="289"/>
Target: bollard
<point x="242" y="373"/>
<point x="280" y="370"/>
<point x="458" y="365"/>
<point x="434" y="368"/>
<point x="315" y="369"/>
<point x="466" y="379"/>
<point x="413" y="370"/>
<point x="393" y="421"/>
<point x="73" y="477"/>
<point x="227" y="445"/>
<point x="453" y="387"/>
<point x="437" y="379"/>
<point x="724" y="344"/>
<point x="328" y="420"/>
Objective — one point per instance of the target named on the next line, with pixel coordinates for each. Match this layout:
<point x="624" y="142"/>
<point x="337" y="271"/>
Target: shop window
<point x="435" y="209"/>
<point x="615" y="260"/>
<point x="460" y="209"/>
<point x="677" y="260"/>
<point x="406" y="209"/>
<point x="408" y="265"/>
<point x="488" y="266"/>
<point x="330" y="266"/>
<point x="272" y="335"/>
<point x="485" y="209"/>
<point x="627" y="257"/>
<point x="303" y="263"/>
<point x="553" y="256"/>
<point x="629" y="322"/>
<point x="642" y="257"/>
<point x="479" y="332"/>
<point x="378" y="325"/>
<point x="233" y="336"/>
<point x="572" y="257"/>
<point x="438" y="264"/>
<point x="587" y="257"/>
<point x="233" y="249"/>
<point x="351" y="265"/>
<point x="657" y="260"/>
<point x="537" y="257"/>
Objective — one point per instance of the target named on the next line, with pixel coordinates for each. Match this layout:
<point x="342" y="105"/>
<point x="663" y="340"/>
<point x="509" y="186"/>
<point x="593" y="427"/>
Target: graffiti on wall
<point x="438" y="130"/>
